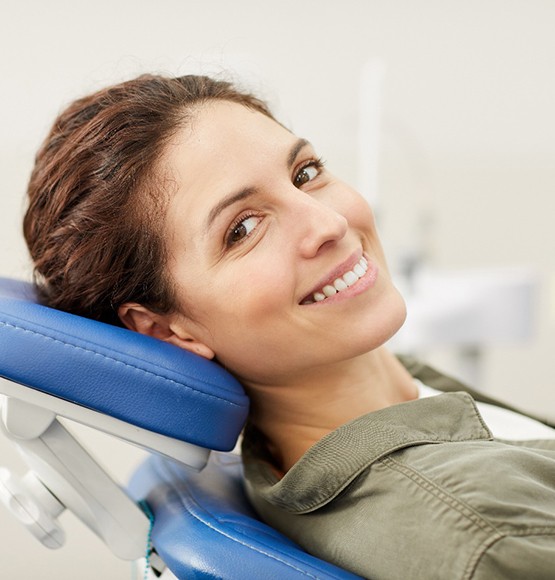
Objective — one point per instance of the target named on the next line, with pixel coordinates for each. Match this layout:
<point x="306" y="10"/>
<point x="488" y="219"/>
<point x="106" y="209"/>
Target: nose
<point x="319" y="226"/>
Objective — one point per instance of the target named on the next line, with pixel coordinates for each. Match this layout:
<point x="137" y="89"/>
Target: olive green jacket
<point x="419" y="490"/>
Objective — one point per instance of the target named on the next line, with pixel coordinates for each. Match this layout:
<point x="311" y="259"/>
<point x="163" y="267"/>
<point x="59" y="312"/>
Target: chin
<point x="393" y="318"/>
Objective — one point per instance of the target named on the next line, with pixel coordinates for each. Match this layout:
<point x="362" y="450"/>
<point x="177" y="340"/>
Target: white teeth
<point x="340" y="284"/>
<point x="350" y="278"/>
<point x="359" y="270"/>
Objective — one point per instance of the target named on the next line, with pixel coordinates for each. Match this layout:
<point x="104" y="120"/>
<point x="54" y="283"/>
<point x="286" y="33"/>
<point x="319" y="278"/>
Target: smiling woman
<point x="182" y="209"/>
<point x="261" y="233"/>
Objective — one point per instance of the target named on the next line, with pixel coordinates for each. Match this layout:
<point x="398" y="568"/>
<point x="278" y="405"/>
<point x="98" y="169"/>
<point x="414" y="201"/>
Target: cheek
<point x="264" y="289"/>
<point x="246" y="327"/>
<point x="360" y="217"/>
<point x="249" y="297"/>
<point x="357" y="211"/>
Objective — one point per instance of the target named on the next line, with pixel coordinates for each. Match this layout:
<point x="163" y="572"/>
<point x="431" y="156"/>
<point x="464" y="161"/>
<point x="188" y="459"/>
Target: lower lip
<point x="360" y="286"/>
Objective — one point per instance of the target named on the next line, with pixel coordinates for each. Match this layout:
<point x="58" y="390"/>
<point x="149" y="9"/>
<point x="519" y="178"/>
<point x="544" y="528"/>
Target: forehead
<point x="224" y="147"/>
<point x="222" y="130"/>
<point x="226" y="134"/>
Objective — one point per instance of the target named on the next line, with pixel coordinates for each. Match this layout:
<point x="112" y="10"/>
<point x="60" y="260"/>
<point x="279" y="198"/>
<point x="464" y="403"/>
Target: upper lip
<point x="335" y="273"/>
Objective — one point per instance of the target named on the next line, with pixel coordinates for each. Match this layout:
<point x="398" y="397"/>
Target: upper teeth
<point x="348" y="279"/>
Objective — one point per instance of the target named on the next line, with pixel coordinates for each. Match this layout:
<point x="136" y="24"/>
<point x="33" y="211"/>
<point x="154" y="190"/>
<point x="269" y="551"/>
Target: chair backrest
<point x="54" y="363"/>
<point x="205" y="528"/>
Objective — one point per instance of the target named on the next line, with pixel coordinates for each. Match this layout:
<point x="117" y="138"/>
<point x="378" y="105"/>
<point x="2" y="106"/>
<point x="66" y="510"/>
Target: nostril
<point x="326" y="244"/>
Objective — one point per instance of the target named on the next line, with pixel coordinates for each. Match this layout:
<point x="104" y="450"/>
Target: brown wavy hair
<point x="97" y="194"/>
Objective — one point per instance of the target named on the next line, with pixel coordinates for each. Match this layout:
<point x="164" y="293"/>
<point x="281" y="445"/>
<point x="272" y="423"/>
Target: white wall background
<point x="468" y="141"/>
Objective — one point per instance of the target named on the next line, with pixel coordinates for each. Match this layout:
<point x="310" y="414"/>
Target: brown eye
<point x="243" y="229"/>
<point x="306" y="174"/>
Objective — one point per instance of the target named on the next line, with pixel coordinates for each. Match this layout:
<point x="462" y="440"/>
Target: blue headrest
<point x="135" y="378"/>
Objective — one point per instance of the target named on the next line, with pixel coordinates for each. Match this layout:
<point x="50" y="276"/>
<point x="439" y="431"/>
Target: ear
<point x="172" y="328"/>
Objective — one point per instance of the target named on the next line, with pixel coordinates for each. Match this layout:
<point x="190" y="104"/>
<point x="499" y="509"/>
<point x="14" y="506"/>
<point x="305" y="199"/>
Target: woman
<point x="181" y="209"/>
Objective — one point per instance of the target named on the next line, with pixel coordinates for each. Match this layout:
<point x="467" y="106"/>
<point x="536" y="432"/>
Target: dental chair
<point x="184" y="514"/>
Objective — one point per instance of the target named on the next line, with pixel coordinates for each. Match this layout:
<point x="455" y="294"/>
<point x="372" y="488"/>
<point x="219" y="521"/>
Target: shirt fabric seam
<point x="442" y="494"/>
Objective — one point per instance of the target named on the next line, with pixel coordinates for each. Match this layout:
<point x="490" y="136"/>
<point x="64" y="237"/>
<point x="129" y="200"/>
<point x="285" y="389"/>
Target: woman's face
<point x="258" y="233"/>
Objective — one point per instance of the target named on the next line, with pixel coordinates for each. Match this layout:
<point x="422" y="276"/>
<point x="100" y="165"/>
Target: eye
<point x="242" y="229"/>
<point x="308" y="172"/>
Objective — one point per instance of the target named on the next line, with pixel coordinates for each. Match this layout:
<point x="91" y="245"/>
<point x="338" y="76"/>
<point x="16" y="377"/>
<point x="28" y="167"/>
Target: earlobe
<point x="167" y="327"/>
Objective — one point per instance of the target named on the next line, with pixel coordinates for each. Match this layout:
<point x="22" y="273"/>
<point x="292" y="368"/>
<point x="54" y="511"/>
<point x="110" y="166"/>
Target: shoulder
<point x="443" y="382"/>
<point x="444" y="487"/>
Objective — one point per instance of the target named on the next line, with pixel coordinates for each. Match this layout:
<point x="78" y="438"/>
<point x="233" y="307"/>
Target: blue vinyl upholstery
<point x="205" y="529"/>
<point x="135" y="378"/>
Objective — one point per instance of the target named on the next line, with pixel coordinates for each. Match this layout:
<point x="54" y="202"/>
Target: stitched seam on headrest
<point x="146" y="372"/>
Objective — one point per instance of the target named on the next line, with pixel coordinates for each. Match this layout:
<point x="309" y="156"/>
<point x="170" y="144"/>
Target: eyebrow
<point x="297" y="147"/>
<point x="226" y="202"/>
<point x="248" y="191"/>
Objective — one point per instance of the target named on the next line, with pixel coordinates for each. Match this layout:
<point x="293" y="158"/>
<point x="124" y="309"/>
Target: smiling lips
<point x="339" y="284"/>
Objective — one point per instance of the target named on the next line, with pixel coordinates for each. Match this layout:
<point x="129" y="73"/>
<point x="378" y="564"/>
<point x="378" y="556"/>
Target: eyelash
<point x="231" y="231"/>
<point x="318" y="164"/>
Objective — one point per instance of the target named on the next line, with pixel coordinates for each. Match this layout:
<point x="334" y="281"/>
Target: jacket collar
<point x="339" y="457"/>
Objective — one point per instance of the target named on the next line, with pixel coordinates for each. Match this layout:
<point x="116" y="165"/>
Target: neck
<point x="296" y="415"/>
